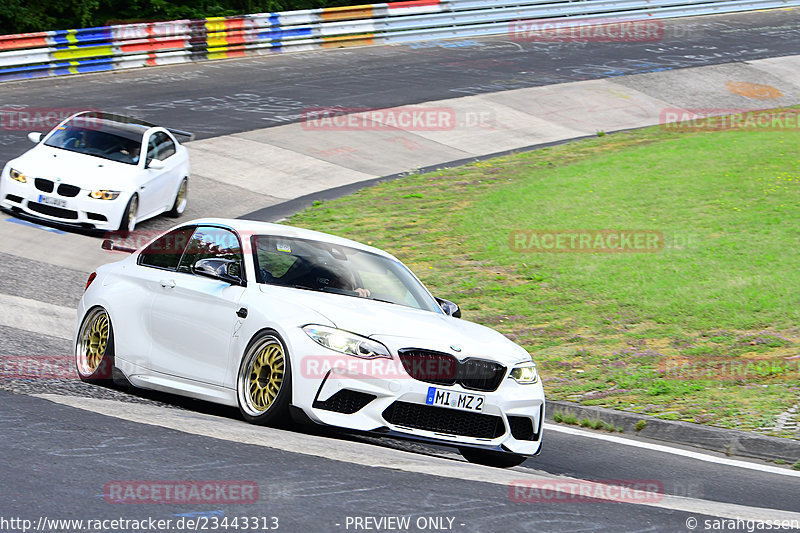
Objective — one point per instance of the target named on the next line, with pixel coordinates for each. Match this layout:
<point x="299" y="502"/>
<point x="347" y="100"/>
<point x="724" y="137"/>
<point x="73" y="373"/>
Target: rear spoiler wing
<point x="181" y="132"/>
<point x="130" y="120"/>
<point x="109" y="245"/>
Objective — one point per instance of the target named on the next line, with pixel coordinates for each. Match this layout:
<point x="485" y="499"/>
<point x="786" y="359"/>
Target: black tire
<point x="264" y="381"/>
<point x="94" y="347"/>
<point x="179" y="205"/>
<point x="491" y="458"/>
<point x="128" y="221"/>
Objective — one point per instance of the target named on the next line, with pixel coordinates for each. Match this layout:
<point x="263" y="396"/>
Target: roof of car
<point x="108" y="123"/>
<point x="126" y="123"/>
<point x="114" y="117"/>
<point x="255" y="227"/>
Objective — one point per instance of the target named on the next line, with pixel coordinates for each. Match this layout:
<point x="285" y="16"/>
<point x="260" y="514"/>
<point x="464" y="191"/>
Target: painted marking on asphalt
<point x="37" y="317"/>
<point x="675" y="451"/>
<point x="368" y="455"/>
<point x="21" y="222"/>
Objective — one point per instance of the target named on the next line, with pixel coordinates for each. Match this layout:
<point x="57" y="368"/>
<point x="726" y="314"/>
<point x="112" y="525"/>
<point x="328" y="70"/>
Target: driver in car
<point x="132" y="152"/>
<point x="342" y="279"/>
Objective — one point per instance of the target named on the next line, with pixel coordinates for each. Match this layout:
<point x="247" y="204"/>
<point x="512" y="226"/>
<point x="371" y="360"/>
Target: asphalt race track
<point x="224" y="97"/>
<point x="64" y="442"/>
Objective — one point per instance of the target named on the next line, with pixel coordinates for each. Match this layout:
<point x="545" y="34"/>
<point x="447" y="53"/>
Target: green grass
<point x="703" y="330"/>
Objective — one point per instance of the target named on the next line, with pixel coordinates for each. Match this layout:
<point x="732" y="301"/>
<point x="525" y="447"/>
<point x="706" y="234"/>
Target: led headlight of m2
<point x="347" y="343"/>
<point x="525" y="374"/>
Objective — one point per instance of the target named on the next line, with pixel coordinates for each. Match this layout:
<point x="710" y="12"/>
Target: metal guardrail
<point x="124" y="46"/>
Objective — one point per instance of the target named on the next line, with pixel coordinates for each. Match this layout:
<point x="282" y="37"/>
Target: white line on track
<point x="675" y="451"/>
<point x="375" y="456"/>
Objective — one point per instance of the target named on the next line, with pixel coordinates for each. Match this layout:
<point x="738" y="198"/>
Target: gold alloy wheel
<point x="132" y="212"/>
<point x="181" y="194"/>
<point x="265" y="375"/>
<point x="93" y="341"/>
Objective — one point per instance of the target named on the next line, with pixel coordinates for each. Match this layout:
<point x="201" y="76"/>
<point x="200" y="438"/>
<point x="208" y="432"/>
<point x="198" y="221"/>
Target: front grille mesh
<point x="444" y="369"/>
<point x="521" y="427"/>
<point x="43" y="184"/>
<point x="69" y="191"/>
<point x="53" y="211"/>
<point x="345" y="401"/>
<point x="443" y="420"/>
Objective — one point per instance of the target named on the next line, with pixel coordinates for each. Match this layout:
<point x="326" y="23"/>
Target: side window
<point x="212" y="242"/>
<point x="160" y="146"/>
<point x="166" y="251"/>
<point x="166" y="147"/>
<point x="152" y="149"/>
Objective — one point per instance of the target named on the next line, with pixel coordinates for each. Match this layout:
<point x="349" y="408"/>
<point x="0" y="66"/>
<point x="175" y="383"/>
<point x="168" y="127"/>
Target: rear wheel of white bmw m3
<point x="491" y="458"/>
<point x="179" y="205"/>
<point x="264" y="382"/>
<point x="94" y="349"/>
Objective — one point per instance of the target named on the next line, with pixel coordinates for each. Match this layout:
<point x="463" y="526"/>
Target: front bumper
<point x="511" y="419"/>
<point x="78" y="211"/>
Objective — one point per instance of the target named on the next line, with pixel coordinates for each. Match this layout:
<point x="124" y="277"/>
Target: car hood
<point x="84" y="171"/>
<point x="398" y="327"/>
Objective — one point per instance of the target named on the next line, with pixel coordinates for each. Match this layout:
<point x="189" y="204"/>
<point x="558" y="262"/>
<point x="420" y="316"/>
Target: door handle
<point x="168" y="283"/>
<point x="242" y="312"/>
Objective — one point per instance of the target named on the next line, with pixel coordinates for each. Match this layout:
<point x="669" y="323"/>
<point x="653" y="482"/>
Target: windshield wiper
<point x="294" y="286"/>
<point x="379" y="300"/>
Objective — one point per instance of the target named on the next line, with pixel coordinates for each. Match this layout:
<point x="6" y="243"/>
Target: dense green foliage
<point x="19" y="16"/>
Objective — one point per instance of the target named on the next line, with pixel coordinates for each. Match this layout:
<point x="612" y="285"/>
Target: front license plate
<point x="49" y="200"/>
<point x="454" y="400"/>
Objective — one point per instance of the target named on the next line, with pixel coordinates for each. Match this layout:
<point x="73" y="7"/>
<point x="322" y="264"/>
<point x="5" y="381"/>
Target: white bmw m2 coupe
<point x="292" y="324"/>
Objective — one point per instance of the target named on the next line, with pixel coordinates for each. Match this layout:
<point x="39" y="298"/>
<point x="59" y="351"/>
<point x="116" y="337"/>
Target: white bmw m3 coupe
<point x="98" y="171"/>
<point x="290" y="324"/>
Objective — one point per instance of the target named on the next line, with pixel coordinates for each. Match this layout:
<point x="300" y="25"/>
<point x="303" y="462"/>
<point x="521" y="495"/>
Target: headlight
<point x="17" y="176"/>
<point x="346" y="342"/>
<point x="525" y="375"/>
<point x="104" y="195"/>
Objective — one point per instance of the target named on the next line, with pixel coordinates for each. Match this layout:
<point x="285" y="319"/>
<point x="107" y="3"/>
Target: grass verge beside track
<point x="703" y="329"/>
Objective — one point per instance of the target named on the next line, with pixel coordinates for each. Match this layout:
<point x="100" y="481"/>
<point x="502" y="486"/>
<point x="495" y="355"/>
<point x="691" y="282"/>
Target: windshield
<point x="325" y="267"/>
<point x="99" y="139"/>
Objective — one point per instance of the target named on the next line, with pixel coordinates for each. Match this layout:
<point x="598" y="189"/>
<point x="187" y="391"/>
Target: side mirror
<point x="155" y="164"/>
<point x="449" y="307"/>
<point x="226" y="270"/>
<point x="35" y="136"/>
